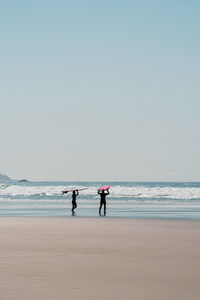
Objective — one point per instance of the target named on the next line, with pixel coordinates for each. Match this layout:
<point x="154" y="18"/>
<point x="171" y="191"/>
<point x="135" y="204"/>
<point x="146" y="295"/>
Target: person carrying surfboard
<point x="103" y="194"/>
<point x="75" y="193"/>
<point x="74" y="204"/>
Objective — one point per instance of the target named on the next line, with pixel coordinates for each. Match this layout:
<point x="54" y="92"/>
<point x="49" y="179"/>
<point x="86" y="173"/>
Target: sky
<point x="100" y="90"/>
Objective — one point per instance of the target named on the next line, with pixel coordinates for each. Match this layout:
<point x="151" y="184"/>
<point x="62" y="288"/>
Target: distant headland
<point x="23" y="180"/>
<point x="4" y="178"/>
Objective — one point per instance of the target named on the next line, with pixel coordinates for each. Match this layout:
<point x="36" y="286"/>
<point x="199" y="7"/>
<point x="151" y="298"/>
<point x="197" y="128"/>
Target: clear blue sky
<point x="100" y="90"/>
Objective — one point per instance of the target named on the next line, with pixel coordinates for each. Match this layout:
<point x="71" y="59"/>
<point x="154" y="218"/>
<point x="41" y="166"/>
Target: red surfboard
<point x="104" y="188"/>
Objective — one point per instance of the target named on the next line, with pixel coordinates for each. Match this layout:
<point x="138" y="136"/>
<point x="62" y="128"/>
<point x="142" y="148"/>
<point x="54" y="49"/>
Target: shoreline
<point x="99" y="258"/>
<point x="129" y="218"/>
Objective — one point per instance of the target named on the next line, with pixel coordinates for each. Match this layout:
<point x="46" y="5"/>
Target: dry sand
<point x="77" y="258"/>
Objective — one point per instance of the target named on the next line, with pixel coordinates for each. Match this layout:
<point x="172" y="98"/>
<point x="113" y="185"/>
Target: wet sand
<point x="99" y="258"/>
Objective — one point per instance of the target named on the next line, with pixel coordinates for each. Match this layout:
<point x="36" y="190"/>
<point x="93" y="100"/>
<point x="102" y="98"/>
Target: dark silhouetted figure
<point x="74" y="204"/>
<point x="103" y="195"/>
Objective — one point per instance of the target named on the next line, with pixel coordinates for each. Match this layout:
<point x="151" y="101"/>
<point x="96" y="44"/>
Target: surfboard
<point x="104" y="188"/>
<point x="71" y="190"/>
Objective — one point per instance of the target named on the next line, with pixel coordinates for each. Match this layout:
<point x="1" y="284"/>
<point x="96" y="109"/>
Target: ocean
<point x="169" y="200"/>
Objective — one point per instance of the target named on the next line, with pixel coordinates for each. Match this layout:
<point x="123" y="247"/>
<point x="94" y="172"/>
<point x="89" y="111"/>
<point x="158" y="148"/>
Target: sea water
<point x="177" y="200"/>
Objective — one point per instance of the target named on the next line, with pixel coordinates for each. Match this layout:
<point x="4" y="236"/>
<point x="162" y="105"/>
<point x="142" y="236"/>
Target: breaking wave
<point x="126" y="191"/>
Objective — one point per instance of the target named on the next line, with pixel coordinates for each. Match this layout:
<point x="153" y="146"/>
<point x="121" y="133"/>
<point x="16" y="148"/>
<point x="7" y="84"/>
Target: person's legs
<point x="104" y="208"/>
<point x="74" y="205"/>
<point x="100" y="207"/>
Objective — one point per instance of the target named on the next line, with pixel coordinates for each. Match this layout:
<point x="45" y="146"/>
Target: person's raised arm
<point x="77" y="193"/>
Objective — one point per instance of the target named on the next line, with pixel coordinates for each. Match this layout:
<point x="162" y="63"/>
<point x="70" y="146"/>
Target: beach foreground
<point x="99" y="258"/>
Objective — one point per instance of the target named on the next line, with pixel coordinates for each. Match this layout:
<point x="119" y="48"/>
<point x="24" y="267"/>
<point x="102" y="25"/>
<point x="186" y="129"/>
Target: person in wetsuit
<point x="74" y="204"/>
<point x="103" y="195"/>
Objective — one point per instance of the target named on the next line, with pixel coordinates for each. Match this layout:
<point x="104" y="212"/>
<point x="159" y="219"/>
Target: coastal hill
<point x="4" y="178"/>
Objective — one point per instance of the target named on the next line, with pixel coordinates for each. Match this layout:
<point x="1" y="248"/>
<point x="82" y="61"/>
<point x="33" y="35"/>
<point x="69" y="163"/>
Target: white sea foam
<point x="142" y="192"/>
<point x="116" y="191"/>
<point x="17" y="190"/>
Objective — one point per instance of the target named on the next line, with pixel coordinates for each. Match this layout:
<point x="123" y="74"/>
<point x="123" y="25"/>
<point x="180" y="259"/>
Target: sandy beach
<point x="99" y="258"/>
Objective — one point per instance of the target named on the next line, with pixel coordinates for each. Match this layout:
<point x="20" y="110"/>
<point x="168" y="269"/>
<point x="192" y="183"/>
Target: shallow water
<point x="177" y="200"/>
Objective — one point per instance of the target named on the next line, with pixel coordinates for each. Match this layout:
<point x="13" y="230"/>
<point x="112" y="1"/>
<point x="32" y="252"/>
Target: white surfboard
<point x="75" y="189"/>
